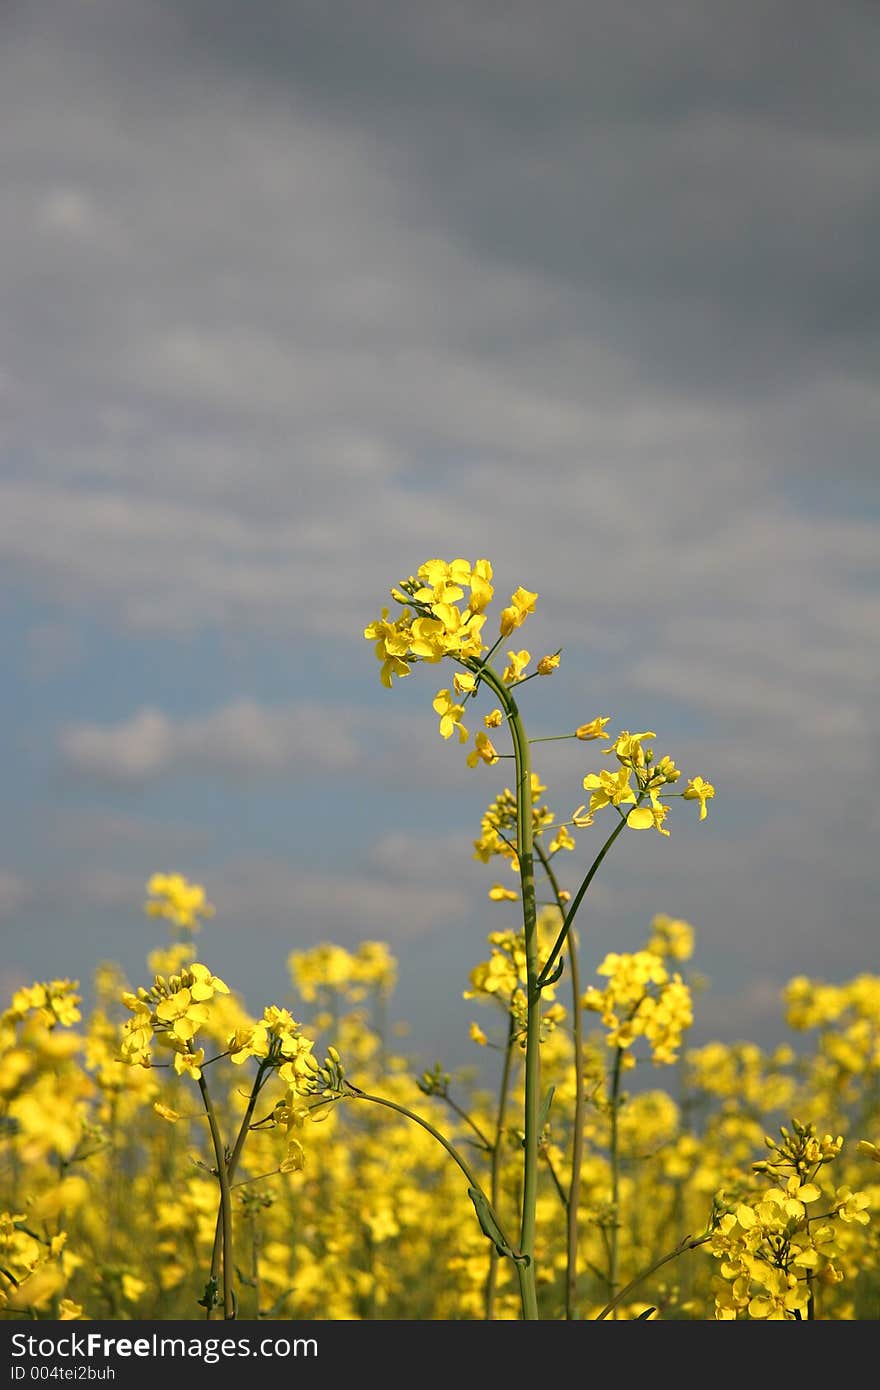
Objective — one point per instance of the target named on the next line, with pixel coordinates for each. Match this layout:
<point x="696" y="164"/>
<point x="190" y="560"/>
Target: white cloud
<point x="239" y="740"/>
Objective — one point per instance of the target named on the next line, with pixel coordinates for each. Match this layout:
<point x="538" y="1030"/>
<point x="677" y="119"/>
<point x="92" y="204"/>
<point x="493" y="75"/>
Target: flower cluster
<point x="503" y="976"/>
<point x="778" y="1248"/>
<point x="53" y="1001"/>
<point x="498" y="825"/>
<point x="170" y="1014"/>
<point x="351" y="974"/>
<point x="636" y="761"/>
<point x="28" y="1261"/>
<point x="434" y="625"/>
<point x="177" y="900"/>
<point x="671" y="938"/>
<point x="641" y="999"/>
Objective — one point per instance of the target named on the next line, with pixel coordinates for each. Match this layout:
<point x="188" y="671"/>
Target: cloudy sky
<point x="296" y="296"/>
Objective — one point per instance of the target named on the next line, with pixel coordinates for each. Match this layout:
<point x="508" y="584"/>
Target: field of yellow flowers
<point x="172" y="1155"/>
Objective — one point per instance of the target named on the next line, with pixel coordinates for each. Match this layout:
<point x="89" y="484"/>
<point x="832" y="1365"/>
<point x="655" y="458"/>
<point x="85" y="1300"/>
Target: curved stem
<point x="689" y="1243"/>
<point x="473" y="1181"/>
<point x="576" y="902"/>
<point x="462" y="1114"/>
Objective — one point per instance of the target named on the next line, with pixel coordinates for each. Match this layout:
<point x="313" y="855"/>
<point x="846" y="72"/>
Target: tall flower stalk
<point x="432" y="627"/>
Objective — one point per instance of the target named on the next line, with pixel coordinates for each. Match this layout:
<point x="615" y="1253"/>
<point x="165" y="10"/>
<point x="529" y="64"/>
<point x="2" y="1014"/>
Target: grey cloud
<point x="297" y="296"/>
<point x="13" y="893"/>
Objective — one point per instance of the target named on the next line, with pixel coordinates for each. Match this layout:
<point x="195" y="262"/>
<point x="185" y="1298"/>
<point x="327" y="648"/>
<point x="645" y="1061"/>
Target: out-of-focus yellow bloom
<point x="69" y="1311"/>
<point x="173" y="897"/>
<point x="852" y="1206"/>
<point x="165" y="1112"/>
<point x="671" y="937"/>
<point x="499" y="894"/>
<point x="54" y="1001"/>
<point x="562" y="840"/>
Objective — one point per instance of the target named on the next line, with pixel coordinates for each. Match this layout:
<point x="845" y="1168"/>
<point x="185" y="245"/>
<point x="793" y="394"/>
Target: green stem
<point x="689" y="1243"/>
<point x="473" y="1180"/>
<point x="576" y="902"/>
<point x="615" y="1174"/>
<point x="551" y="738"/>
<point x="495" y="1171"/>
<point x="232" y="1164"/>
<point x="462" y="1114"/>
<point x="577" y="1143"/>
<point x="225" y="1216"/>
<point x="532" y="1109"/>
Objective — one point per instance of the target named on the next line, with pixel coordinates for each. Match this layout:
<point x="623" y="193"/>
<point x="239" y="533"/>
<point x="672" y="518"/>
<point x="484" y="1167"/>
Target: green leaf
<point x="545" y="1109"/>
<point x="490" y="1228"/>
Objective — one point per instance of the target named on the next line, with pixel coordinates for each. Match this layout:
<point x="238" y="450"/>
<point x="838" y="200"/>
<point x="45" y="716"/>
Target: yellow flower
<point x="477" y="1035"/>
<point x="698" y="790"/>
<point x="562" y="840"/>
<point x="450" y="716"/>
<point x="165" y="1112"/>
<point x="481" y="587"/>
<point x="518" y="663"/>
<point x="595" y="729"/>
<point x="609" y="789"/>
<point x="628" y="748"/>
<point x="493" y="719"/>
<point x="671" y="936"/>
<point x="522" y="603"/>
<point x="177" y="900"/>
<point x="852" y="1206"/>
<point x="499" y="894"/>
<point x="68" y="1311"/>
<point x="189" y="1063"/>
<point x="648" y="817"/>
<point x="484" y="751"/>
<point x="548" y="664"/>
